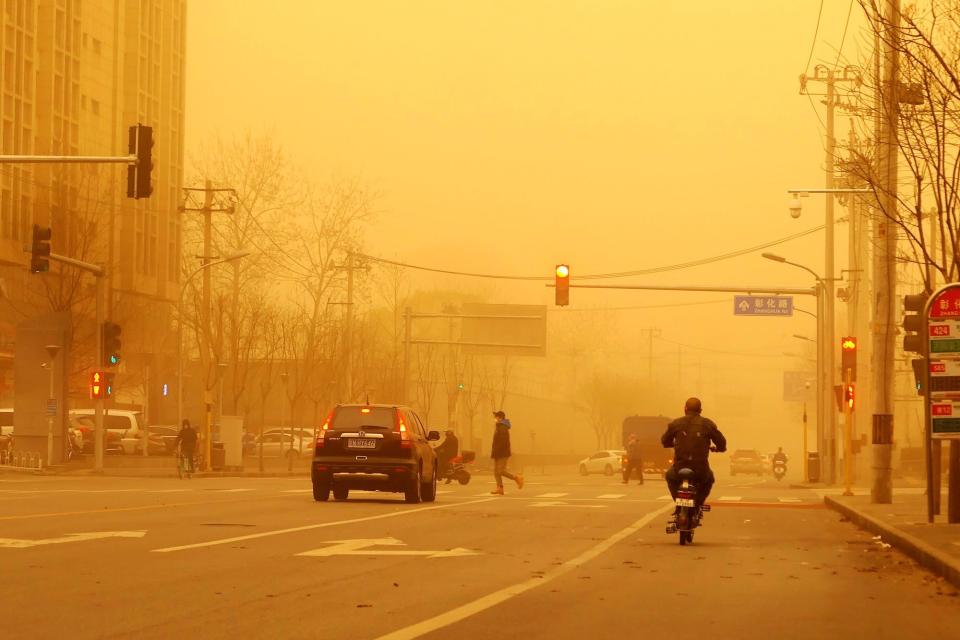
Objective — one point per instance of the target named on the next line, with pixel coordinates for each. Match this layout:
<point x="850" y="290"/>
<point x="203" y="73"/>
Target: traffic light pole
<point x="7" y="159"/>
<point x="100" y="274"/>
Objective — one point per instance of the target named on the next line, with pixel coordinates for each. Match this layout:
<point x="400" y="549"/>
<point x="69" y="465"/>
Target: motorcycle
<point x="779" y="469"/>
<point x="687" y="515"/>
<point x="457" y="469"/>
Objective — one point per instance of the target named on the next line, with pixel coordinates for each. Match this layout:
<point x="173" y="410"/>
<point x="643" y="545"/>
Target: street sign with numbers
<point x="942" y="332"/>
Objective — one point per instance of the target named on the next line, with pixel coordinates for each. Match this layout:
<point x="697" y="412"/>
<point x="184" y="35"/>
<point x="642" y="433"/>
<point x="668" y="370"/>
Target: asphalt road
<point x="567" y="557"/>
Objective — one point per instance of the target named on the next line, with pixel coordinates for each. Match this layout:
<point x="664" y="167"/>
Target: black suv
<point x="374" y="447"/>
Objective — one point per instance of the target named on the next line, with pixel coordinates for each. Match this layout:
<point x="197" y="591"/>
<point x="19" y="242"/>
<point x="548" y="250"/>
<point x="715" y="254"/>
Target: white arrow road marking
<point x="361" y="547"/>
<point x="13" y="543"/>
<point x="552" y="495"/>
<point x="611" y="496"/>
<point x="560" y="503"/>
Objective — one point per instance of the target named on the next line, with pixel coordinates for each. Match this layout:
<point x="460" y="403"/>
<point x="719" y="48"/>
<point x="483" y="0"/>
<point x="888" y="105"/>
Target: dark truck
<point x="649" y="430"/>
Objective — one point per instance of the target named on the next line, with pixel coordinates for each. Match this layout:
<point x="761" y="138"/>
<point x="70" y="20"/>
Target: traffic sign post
<point x="941" y="333"/>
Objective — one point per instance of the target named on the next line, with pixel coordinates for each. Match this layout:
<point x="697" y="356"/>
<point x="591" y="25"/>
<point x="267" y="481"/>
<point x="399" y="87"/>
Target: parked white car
<point x="121" y="421"/>
<point x="278" y="444"/>
<point x="606" y="462"/>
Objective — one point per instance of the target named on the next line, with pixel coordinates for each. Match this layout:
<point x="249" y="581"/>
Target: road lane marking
<point x="498" y="597"/>
<point x="666" y="497"/>
<point x="13" y="543"/>
<point x="552" y="495"/>
<point x="730" y="498"/>
<point x="106" y="510"/>
<point x="611" y="496"/>
<point x="789" y="500"/>
<point x="560" y="503"/>
<point x="318" y="525"/>
<point x="361" y="547"/>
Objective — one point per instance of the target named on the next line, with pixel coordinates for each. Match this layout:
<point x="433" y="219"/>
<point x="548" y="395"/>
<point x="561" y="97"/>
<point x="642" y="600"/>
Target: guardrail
<point x="26" y="460"/>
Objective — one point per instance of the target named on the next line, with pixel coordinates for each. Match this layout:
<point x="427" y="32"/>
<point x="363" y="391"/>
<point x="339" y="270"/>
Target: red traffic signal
<point x="849" y="396"/>
<point x="562" y="284"/>
<point x="98" y="385"/>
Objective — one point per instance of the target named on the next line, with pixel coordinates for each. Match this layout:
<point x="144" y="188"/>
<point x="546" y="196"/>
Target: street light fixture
<point x="183" y="289"/>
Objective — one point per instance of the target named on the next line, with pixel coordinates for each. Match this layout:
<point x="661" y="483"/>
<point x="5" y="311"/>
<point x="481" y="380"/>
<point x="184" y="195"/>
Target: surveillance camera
<point x="795" y="207"/>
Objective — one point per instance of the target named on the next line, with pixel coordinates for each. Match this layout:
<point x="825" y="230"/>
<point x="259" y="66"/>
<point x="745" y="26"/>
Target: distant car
<point x="163" y="440"/>
<point x="304" y="437"/>
<point x="278" y="444"/>
<point x="127" y="424"/>
<point x="746" y="461"/>
<point x="605" y="462"/>
<point x="375" y="447"/>
<point x="85" y="429"/>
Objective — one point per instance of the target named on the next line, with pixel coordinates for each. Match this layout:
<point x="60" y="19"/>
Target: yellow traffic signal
<point x="562" y="283"/>
<point x="848" y="356"/>
<point x="849" y="396"/>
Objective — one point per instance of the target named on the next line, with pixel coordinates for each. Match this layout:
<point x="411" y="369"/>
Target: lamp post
<point x="183" y="289"/>
<point x="284" y="376"/>
<point x="52" y="351"/>
<point x="825" y="414"/>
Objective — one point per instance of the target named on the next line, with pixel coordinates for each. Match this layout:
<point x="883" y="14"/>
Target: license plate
<point x="684" y="502"/>
<point x="362" y="443"/>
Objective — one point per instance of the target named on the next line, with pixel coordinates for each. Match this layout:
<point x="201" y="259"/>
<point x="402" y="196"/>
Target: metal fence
<point x="26" y="460"/>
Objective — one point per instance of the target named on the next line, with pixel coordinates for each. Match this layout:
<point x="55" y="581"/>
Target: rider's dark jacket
<point x="690" y="437"/>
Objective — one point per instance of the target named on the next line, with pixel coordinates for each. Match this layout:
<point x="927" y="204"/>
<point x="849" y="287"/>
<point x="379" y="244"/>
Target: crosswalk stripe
<point x="552" y="495"/>
<point x="610" y="496"/>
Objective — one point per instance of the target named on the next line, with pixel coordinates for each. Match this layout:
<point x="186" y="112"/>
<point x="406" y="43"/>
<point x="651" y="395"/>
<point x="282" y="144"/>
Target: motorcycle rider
<point x="780" y="456"/>
<point x="447" y="451"/>
<point x="690" y="437"/>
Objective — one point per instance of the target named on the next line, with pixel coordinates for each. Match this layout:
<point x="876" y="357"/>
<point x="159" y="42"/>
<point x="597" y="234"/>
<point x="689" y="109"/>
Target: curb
<point x="928" y="556"/>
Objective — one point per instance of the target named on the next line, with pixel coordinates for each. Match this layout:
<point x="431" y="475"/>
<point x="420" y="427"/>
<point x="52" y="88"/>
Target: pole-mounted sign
<point x="943" y="370"/>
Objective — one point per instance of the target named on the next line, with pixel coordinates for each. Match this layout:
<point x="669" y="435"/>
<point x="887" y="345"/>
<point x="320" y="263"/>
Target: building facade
<point x="75" y="75"/>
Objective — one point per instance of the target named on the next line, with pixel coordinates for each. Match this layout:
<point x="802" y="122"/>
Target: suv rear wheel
<point x="321" y="492"/>
<point x="429" y="490"/>
<point x="414" y="486"/>
<point x="340" y="493"/>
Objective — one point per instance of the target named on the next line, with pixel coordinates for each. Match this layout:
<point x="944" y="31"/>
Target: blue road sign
<point x="763" y="305"/>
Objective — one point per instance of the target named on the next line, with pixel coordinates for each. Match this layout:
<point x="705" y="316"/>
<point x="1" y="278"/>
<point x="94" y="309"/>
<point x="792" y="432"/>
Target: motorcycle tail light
<point x="685" y="494"/>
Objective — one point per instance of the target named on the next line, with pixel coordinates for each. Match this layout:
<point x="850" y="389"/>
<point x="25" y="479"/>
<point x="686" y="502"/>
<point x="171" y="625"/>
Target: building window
<point x="95" y="106"/>
<point x="96" y="46"/>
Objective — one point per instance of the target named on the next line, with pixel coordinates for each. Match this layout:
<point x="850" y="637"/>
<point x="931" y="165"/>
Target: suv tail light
<point x="401" y="430"/>
<point x="322" y="436"/>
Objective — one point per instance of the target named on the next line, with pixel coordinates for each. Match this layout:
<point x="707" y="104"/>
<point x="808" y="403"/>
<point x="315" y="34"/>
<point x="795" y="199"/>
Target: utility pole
<point x="207" y="210"/>
<point x="884" y="258"/>
<point x="652" y="332"/>
<point x="349" y="266"/>
<point x="828" y="76"/>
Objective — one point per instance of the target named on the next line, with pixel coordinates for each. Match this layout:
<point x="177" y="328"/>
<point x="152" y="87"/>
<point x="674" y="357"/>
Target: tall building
<point x="75" y="75"/>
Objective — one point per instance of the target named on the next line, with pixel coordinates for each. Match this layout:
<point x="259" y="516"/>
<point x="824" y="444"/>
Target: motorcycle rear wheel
<point x="686" y="537"/>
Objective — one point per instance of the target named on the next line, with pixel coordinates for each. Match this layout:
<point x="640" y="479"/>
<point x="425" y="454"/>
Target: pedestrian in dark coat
<point x="500" y="452"/>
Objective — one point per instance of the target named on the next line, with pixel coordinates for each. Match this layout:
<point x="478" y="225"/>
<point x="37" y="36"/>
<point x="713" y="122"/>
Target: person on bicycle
<point x="187" y="442"/>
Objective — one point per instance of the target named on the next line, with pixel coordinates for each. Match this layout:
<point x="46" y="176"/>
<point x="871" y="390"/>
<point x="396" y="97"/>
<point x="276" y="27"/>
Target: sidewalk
<point x="903" y="524"/>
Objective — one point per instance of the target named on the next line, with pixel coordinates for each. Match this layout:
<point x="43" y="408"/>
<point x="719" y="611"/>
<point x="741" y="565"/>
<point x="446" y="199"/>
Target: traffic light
<point x="140" y="144"/>
<point x="562" y="285"/>
<point x="40" y="249"/>
<point x="920" y="374"/>
<point x="849" y="396"/>
<point x="107" y="384"/>
<point x="913" y="338"/>
<point x="97" y="385"/>
<point x="111" y="344"/>
<point x="848" y="357"/>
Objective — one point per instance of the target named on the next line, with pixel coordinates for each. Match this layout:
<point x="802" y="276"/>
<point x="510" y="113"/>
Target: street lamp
<point x="183" y="289"/>
<point x="825" y="414"/>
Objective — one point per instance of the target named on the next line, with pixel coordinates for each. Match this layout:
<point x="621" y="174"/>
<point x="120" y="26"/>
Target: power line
<point x="621" y="274"/>
<point x="816" y="32"/>
<point x="843" y="38"/>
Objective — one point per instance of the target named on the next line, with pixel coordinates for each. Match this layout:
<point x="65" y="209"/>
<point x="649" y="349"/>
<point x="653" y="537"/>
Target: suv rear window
<point x="747" y="453"/>
<point x="361" y="417"/>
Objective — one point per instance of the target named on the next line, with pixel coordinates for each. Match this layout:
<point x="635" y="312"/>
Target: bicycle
<point x="186" y="464"/>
